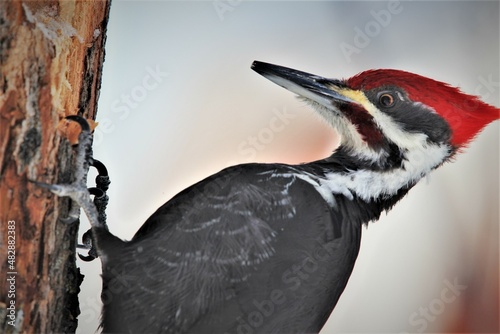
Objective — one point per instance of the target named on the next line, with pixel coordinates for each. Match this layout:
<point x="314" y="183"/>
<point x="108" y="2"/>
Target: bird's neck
<point x="379" y="183"/>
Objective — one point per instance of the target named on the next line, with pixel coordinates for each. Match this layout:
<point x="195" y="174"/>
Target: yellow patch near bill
<point x="358" y="96"/>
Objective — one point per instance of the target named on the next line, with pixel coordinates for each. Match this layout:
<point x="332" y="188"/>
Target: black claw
<point x="80" y="120"/>
<point x="87" y="258"/>
<point x="103" y="171"/>
<point x="102" y="180"/>
<point x="88" y="244"/>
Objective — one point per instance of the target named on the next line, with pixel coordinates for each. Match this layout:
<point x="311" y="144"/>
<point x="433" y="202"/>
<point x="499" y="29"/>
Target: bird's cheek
<point x="364" y="123"/>
<point x="371" y="135"/>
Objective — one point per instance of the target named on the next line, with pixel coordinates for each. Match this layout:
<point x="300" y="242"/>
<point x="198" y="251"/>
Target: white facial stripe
<point x="350" y="136"/>
<point x="372" y="184"/>
<point x="369" y="185"/>
<point x="391" y="129"/>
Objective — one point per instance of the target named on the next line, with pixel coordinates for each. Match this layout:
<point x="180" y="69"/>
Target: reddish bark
<point x="51" y="55"/>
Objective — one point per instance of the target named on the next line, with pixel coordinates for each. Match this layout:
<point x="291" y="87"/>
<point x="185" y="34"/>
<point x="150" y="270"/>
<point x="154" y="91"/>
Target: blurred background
<point x="179" y="102"/>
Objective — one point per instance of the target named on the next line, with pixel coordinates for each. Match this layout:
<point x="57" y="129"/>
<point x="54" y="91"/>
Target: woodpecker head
<point x="378" y="112"/>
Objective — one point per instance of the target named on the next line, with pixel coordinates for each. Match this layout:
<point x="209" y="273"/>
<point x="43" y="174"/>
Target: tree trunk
<point x="51" y="55"/>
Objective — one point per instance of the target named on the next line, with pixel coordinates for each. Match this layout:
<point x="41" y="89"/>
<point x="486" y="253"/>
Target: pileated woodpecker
<point x="269" y="248"/>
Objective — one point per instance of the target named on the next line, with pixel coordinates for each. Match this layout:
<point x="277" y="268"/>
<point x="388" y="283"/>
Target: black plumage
<point x="253" y="246"/>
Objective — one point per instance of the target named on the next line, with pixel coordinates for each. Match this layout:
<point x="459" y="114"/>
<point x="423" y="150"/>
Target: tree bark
<point x="51" y="55"/>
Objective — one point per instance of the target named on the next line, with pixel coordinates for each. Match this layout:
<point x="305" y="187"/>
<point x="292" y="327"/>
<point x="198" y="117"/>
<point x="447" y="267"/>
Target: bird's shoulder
<point x="235" y="194"/>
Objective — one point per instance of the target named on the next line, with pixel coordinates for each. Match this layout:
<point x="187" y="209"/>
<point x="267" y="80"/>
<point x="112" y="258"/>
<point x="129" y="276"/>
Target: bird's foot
<point x="100" y="202"/>
<point x="78" y="192"/>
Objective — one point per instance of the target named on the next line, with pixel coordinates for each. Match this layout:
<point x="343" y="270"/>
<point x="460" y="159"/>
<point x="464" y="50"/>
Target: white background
<point x="202" y="116"/>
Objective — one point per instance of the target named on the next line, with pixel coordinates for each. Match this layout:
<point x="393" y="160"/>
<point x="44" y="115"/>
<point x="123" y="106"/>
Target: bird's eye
<point x="386" y="100"/>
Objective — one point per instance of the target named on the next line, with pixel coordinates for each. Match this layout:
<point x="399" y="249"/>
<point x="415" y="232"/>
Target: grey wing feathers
<point x="213" y="242"/>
